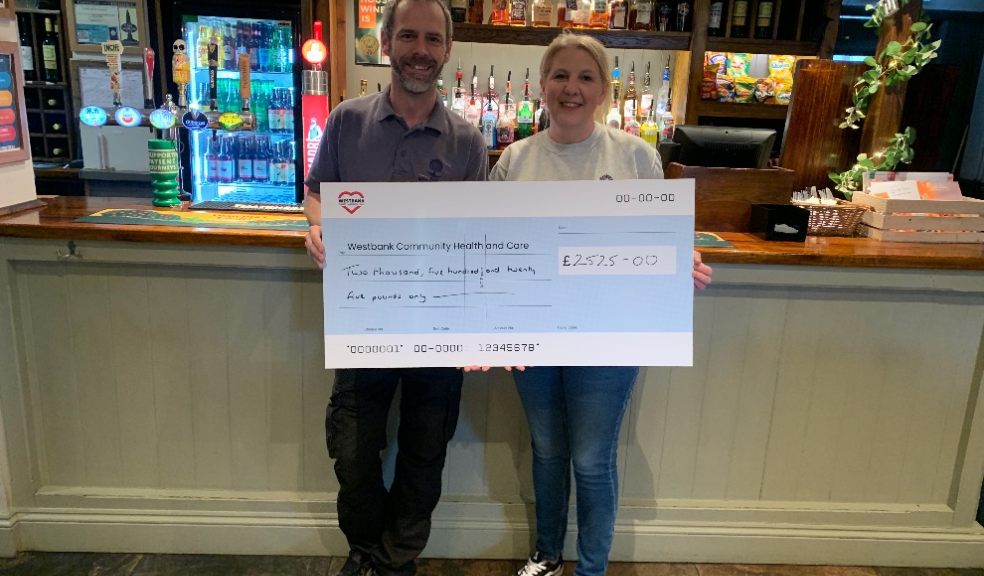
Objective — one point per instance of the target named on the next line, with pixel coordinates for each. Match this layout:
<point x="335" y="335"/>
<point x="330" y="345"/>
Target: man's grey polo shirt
<point x="365" y="141"/>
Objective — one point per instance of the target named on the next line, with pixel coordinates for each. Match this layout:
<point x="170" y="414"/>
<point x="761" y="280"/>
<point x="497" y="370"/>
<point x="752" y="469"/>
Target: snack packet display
<point x="739" y="64"/>
<point x="708" y="84"/>
<point x="725" y="89"/>
<point x="717" y="59"/>
<point x="781" y="67"/>
<point x="765" y="89"/>
<point x="784" y="91"/>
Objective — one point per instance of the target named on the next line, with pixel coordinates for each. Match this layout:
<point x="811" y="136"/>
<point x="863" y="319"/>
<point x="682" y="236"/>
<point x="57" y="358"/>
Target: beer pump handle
<point x="149" y="78"/>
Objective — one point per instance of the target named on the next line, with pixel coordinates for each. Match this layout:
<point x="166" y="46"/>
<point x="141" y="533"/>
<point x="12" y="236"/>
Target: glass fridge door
<point x="245" y="166"/>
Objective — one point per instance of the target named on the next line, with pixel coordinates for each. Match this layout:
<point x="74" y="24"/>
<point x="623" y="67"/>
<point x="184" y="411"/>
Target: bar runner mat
<point x="264" y="222"/>
<point x="251" y="221"/>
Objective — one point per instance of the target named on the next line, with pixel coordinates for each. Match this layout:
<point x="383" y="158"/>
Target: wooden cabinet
<point x="51" y="118"/>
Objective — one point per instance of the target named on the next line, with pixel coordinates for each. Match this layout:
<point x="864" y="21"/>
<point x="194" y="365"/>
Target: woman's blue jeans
<point x="575" y="414"/>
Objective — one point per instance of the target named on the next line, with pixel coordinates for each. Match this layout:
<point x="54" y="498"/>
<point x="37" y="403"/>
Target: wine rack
<point x="51" y="119"/>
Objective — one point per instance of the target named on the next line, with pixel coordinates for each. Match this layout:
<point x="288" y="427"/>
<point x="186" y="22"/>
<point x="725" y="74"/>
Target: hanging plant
<point x="897" y="63"/>
<point x="880" y="11"/>
<point x="898" y="151"/>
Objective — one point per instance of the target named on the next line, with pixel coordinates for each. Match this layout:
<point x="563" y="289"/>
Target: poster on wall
<point x="13" y="117"/>
<point x="98" y="21"/>
<point x="368" y="31"/>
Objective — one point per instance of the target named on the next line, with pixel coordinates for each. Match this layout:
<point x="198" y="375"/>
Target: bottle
<point x="716" y="19"/>
<point x="525" y="112"/>
<point x="459" y="10"/>
<point x="288" y="110"/>
<point x="739" y="19"/>
<point x="542" y="13"/>
<point x="201" y="44"/>
<point x="253" y="45"/>
<point x="663" y="97"/>
<point x="500" y="13"/>
<point x="763" y="20"/>
<point x="649" y="130"/>
<point x="227" y="161"/>
<point x="476" y="10"/>
<point x="442" y="92"/>
<point x="641" y="14"/>
<point x="212" y="160"/>
<point x="505" y="133"/>
<point x="492" y="96"/>
<point x="266" y="40"/>
<point x="664" y="22"/>
<point x="614" y="117"/>
<point x="566" y="10"/>
<point x="618" y="15"/>
<point x="229" y="54"/>
<point x="275" y="112"/>
<point x="290" y="166"/>
<point x="517" y="12"/>
<point x="458" y="94"/>
<point x="599" y="14"/>
<point x="244" y="161"/>
<point x="646" y="96"/>
<point x="49" y="51"/>
<point x="261" y="160"/>
<point x="490" y="120"/>
<point x="473" y="111"/>
<point x="683" y="16"/>
<point x="666" y="122"/>
<point x="26" y="49"/>
<point x="630" y="102"/>
<point x="276" y="167"/>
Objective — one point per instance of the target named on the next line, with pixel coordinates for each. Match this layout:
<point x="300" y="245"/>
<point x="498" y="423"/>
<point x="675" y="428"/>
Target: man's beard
<point x="414" y="84"/>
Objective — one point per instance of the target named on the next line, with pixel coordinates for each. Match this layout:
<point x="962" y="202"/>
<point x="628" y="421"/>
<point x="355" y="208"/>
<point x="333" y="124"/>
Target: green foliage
<point x="899" y="151"/>
<point x="878" y="13"/>
<point x="897" y="63"/>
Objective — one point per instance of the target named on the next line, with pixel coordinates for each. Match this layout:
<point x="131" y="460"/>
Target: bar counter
<point x="162" y="390"/>
<point x="57" y="221"/>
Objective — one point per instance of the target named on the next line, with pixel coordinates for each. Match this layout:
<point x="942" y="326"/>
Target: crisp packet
<point x="781" y="66"/>
<point x="725" y="89"/>
<point x="718" y="59"/>
<point x="745" y="89"/>
<point x="739" y="64"/>
<point x="765" y="89"/>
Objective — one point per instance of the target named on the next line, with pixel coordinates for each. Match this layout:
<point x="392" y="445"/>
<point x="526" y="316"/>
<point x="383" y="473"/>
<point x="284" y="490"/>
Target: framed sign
<point x="368" y="32"/>
<point x="92" y="22"/>
<point x="6" y="8"/>
<point x="14" y="140"/>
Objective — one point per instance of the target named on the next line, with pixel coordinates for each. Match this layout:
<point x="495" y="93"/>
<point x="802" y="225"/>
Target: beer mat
<point x="248" y="206"/>
<point x="710" y="240"/>
<point x="197" y="219"/>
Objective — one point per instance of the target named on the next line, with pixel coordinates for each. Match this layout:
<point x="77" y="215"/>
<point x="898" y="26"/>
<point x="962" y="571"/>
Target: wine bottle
<point x="763" y="20"/>
<point x="49" y="50"/>
<point x="27" y="50"/>
<point x="739" y="19"/>
<point x="716" y="19"/>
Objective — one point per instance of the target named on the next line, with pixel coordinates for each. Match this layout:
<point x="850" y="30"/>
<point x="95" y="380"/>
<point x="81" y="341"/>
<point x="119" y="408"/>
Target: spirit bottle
<point x="649" y="130"/>
<point x="459" y="10"/>
<point x="646" y="97"/>
<point x="442" y="92"/>
<point x="500" y="12"/>
<point x="739" y="19"/>
<point x="49" y="51"/>
<point x="517" y="13"/>
<point x="542" y="12"/>
<point x="664" y="22"/>
<point x="763" y="20"/>
<point x="506" y="129"/>
<point x="599" y="14"/>
<point x="630" y="102"/>
<point x="490" y="120"/>
<point x="666" y="122"/>
<point x="716" y="19"/>
<point x="683" y="16"/>
<point x="491" y="95"/>
<point x="525" y="113"/>
<point x="458" y="97"/>
<point x="618" y="15"/>
<point x="473" y="111"/>
<point x="641" y="14"/>
<point x="614" y="117"/>
<point x="663" y="97"/>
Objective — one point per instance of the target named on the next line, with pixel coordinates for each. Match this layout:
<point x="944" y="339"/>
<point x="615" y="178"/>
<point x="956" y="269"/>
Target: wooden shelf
<point x="42" y="84"/>
<point x="752" y="46"/>
<point x="530" y="36"/>
<point x="45" y="11"/>
<point x="735" y="110"/>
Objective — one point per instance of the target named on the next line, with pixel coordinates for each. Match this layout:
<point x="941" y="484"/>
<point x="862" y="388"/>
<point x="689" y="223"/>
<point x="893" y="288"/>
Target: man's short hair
<point x="389" y="13"/>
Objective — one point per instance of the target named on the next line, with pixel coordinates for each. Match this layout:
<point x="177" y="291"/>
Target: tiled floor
<point x="72" y="564"/>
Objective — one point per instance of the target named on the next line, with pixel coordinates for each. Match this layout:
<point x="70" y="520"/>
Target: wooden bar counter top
<point x="57" y="221"/>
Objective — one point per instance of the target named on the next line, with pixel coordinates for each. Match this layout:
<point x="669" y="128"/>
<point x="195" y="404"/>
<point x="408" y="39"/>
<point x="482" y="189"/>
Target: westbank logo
<point x="351" y="201"/>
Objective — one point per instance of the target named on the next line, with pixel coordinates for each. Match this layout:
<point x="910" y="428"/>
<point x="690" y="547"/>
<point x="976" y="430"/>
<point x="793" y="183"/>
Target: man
<point x="401" y="134"/>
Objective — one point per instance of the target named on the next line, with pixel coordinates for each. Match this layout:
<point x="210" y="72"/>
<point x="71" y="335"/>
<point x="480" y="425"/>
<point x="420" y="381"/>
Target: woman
<point x="575" y="413"/>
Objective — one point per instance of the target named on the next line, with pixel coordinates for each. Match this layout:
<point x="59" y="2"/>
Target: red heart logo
<point x="351" y="201"/>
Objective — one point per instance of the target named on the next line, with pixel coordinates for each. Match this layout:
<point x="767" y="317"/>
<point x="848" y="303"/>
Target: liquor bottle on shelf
<point x="664" y="16"/>
<point x="630" y="102"/>
<point x="716" y="19"/>
<point x="649" y="129"/>
<point x="227" y="161"/>
<point x="542" y="13"/>
<point x="266" y="42"/>
<point x="641" y="14"/>
<point x="566" y="10"/>
<point x="666" y="122"/>
<point x="473" y="110"/>
<point x="500" y="12"/>
<point x="739" y="19"/>
<point x="229" y="54"/>
<point x="599" y="14"/>
<point x="491" y="95"/>
<point x="646" y="96"/>
<point x="442" y="92"/>
<point x="763" y="19"/>
<point x="50" y="51"/>
<point x="683" y="16"/>
<point x="291" y="167"/>
<point x="618" y="15"/>
<point x="525" y="112"/>
<point x="517" y="12"/>
<point x="490" y="119"/>
<point x="26" y="49"/>
<point x="261" y="160"/>
<point x="459" y="10"/>
<point x="505" y="132"/>
<point x="458" y="96"/>
<point x="614" y="117"/>
<point x="476" y="10"/>
<point x="277" y="173"/>
<point x="288" y="110"/>
<point x="663" y="96"/>
<point x="212" y="160"/>
<point x="253" y="45"/>
<point x="244" y="161"/>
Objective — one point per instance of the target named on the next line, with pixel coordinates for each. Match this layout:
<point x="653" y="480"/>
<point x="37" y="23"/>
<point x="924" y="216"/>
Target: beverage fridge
<point x="259" y="166"/>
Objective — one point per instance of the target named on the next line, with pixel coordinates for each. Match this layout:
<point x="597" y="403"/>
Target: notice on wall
<point x="368" y="32"/>
<point x="10" y="117"/>
<point x="98" y="21"/>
